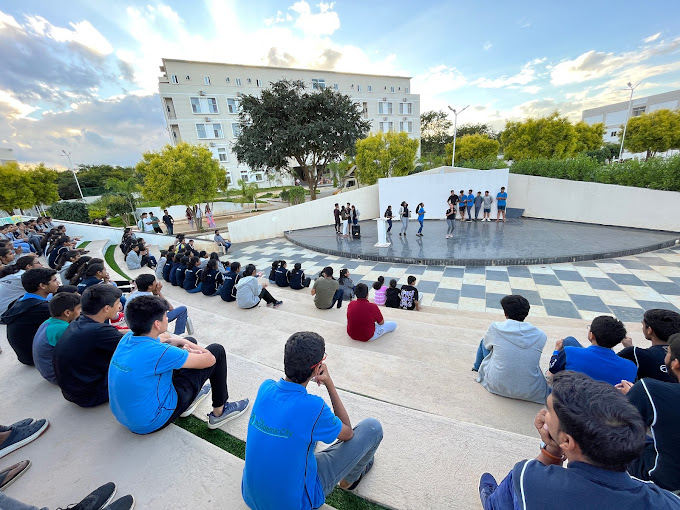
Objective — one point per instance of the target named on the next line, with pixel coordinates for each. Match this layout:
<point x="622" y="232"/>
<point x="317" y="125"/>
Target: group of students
<point x="469" y="202"/>
<point x="344" y="216"/>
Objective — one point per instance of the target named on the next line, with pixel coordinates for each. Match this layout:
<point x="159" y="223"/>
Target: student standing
<point x="388" y="215"/>
<point x="479" y="200"/>
<point x="470" y="204"/>
<point x="501" y="199"/>
<point x="344" y="214"/>
<point x="169" y="221"/>
<point x="209" y="216"/>
<point x="336" y="217"/>
<point x="452" y="200"/>
<point x="488" y="200"/>
<point x="462" y="201"/>
<point x="155" y="223"/>
<point x="355" y="215"/>
<point x="420" y="211"/>
<point x="450" y="221"/>
<point x="190" y="218"/>
<point x="404" y="214"/>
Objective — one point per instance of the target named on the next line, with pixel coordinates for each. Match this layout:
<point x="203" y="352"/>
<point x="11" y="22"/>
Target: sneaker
<point x="487" y="486"/>
<point x="22" y="435"/>
<point x="232" y="410"/>
<point x="199" y="398"/>
<point x="277" y="304"/>
<point x="124" y="503"/>
<point x="97" y="499"/>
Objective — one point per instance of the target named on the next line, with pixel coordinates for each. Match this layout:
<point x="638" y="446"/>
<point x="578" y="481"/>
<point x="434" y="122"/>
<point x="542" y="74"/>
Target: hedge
<point x="70" y="211"/>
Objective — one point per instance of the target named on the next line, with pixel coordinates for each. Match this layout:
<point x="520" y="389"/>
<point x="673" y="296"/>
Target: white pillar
<point x="382" y="234"/>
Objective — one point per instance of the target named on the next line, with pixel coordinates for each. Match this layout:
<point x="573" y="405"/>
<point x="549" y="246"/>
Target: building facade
<point x="6" y="155"/>
<point x="614" y="115"/>
<point x="201" y="104"/>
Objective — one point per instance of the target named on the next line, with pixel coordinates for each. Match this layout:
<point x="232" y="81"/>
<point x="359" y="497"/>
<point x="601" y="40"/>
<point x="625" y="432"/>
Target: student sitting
<point x="380" y="289"/>
<point x="11" y="288"/>
<point x="154" y="378"/>
<point x="393" y="295"/>
<point x="211" y="279"/>
<point x="82" y="355"/>
<point x="250" y="292"/>
<point x="282" y="275"/>
<point x="272" y="273"/>
<point x="161" y="264"/>
<point x="509" y="355"/>
<point x="137" y="257"/>
<point x="298" y="280"/>
<point x="149" y="285"/>
<point x="346" y="284"/>
<point x="26" y="314"/>
<point x="74" y="272"/>
<point x="284" y="427"/>
<point x="593" y="427"/>
<point x="175" y="266"/>
<point x="657" y="325"/>
<point x="228" y="290"/>
<point x="326" y="290"/>
<point x="62" y="245"/>
<point x="409" y="295"/>
<point x="66" y="260"/>
<point x="203" y="259"/>
<point x="181" y="271"/>
<point x="95" y="274"/>
<point x="64" y="308"/>
<point x="365" y="323"/>
<point x="192" y="281"/>
<point x="598" y="361"/>
<point x="222" y="267"/>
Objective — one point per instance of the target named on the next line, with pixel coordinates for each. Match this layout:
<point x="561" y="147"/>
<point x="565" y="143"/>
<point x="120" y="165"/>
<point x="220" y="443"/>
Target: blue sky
<point x="82" y="76"/>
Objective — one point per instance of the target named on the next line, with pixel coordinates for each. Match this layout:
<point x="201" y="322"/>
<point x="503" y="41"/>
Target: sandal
<point x="20" y="467"/>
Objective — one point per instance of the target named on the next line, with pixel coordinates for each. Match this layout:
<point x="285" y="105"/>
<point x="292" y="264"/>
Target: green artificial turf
<point x="83" y="244"/>
<point x="111" y="261"/>
<point x="342" y="500"/>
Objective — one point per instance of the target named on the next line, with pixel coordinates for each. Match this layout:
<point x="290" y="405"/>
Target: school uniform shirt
<point x="54" y="255"/>
<point x="160" y="267"/>
<point x="191" y="278"/>
<point x="361" y="318"/>
<point x="285" y="424"/>
<point x="282" y="277"/>
<point x="212" y="281"/>
<point x="45" y="340"/>
<point x="141" y="393"/>
<point x="409" y="296"/>
<point x="167" y="267"/>
<point x="133" y="260"/>
<point x="501" y="197"/>
<point x="392" y="297"/>
<point x="23" y="318"/>
<point x="297" y="279"/>
<point x="180" y="274"/>
<point x="228" y="291"/>
<point x="600" y="363"/>
<point x="650" y="362"/>
<point x="88" y="282"/>
<point x="81" y="361"/>
<point x="173" y="274"/>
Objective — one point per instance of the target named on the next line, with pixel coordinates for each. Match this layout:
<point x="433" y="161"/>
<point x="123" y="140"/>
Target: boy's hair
<point x="217" y="231"/>
<point x="144" y="281"/>
<point x="608" y="331"/>
<point x="664" y="323"/>
<point x="606" y="426"/>
<point x="249" y="270"/>
<point x="178" y="257"/>
<point x="202" y="254"/>
<point x="235" y="266"/>
<point x="63" y="301"/>
<point x="673" y="348"/>
<point x="32" y="278"/>
<point x="67" y="288"/>
<point x="328" y="271"/>
<point x="164" y="253"/>
<point x="516" y="307"/>
<point x="361" y="291"/>
<point x="411" y="280"/>
<point x="303" y="350"/>
<point x="184" y="260"/>
<point x="96" y="297"/>
<point x="143" y="311"/>
<point x="393" y="283"/>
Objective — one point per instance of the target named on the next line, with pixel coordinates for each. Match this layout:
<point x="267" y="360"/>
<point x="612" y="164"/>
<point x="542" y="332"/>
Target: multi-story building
<point x="6" y="155"/>
<point x="201" y="103"/>
<point x="614" y="115"/>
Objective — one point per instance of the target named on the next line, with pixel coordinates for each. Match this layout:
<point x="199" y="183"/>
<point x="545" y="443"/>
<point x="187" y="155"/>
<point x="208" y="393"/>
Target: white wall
<point x="177" y="211"/>
<point x="434" y="189"/>
<point x="310" y="214"/>
<point x="589" y="202"/>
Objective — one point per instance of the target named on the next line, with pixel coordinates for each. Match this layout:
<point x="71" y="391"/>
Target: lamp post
<point x="68" y="155"/>
<point x="455" y="132"/>
<point x="630" y="104"/>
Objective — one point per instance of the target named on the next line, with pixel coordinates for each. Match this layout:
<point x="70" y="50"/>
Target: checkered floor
<point x="624" y="287"/>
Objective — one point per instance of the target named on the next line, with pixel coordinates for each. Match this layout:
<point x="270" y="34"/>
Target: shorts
<point x="501" y="208"/>
<point x="487" y="210"/>
<point x="461" y="208"/>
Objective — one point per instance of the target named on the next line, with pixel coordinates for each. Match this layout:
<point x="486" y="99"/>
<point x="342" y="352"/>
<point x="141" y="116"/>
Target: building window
<point x="406" y="90"/>
<point x="236" y="130"/>
<point x="187" y="77"/>
<point x="207" y="131"/>
<point x="232" y="105"/>
<point x="173" y="79"/>
<point x="370" y="88"/>
<point x="391" y="89"/>
<point x="228" y="179"/>
<point x="259" y="178"/>
<point x="250" y="81"/>
<point x="386" y="126"/>
<point x="222" y="154"/>
<point x="335" y="86"/>
<point x="238" y="82"/>
<point x="406" y="126"/>
<point x="638" y="110"/>
<point x="405" y="108"/>
<point x="358" y="88"/>
<point x="614" y="133"/>
<point x="228" y="80"/>
<point x="364" y="108"/>
<point x="384" y="108"/>
<point x="318" y="84"/>
<point x="206" y="80"/>
<point x="258" y="83"/>
<point x="204" y="105"/>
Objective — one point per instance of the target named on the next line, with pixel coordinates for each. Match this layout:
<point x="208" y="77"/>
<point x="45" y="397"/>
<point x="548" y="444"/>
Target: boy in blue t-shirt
<point x="470" y="204"/>
<point x="155" y="377"/>
<point x="501" y="199"/>
<point x="282" y="472"/>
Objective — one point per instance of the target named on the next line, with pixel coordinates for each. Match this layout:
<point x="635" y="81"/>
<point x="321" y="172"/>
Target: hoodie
<point x="23" y="319"/>
<point x="248" y="295"/>
<point x="10" y="289"/>
<point x="513" y="367"/>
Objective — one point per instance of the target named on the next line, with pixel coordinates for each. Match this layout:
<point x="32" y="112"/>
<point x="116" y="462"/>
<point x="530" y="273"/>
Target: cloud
<point x="652" y="38"/>
<point x="438" y="80"/>
<point x="487" y="46"/>
<point x="526" y="75"/>
<point x="325" y="22"/>
<point x="82" y="33"/>
<point x="279" y="18"/>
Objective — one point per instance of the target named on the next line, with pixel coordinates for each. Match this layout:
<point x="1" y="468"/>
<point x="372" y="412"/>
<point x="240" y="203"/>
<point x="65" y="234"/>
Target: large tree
<point x="435" y="132"/>
<point x="548" y="137"/>
<point x="473" y="147"/>
<point x="385" y="155"/>
<point x="92" y="179"/>
<point x="16" y="191"/>
<point x="653" y="132"/>
<point x="185" y="174"/>
<point x="287" y="122"/>
<point x="588" y="138"/>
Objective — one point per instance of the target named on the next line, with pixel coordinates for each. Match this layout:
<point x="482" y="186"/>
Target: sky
<point x="82" y="76"/>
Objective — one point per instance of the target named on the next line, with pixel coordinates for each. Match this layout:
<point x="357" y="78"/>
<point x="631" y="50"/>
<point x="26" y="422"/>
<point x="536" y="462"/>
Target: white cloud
<point x="652" y="38"/>
<point x="526" y="75"/>
<point x="325" y="22"/>
<point x="437" y="80"/>
<point x="487" y="46"/>
<point x="82" y="33"/>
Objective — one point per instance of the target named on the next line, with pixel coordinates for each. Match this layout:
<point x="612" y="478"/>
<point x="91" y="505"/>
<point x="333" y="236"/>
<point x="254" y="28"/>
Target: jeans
<point x="451" y="222"/>
<point x="570" y="341"/>
<point x="389" y="223"/>
<point x="404" y="224"/>
<point x="501" y="496"/>
<point x="477" y="208"/>
<point x="482" y="352"/>
<point x="469" y="211"/>
<point x="7" y="503"/>
<point x="337" y="298"/>
<point x="421" y="225"/>
<point x="381" y="329"/>
<point x="169" y="227"/>
<point x="180" y="315"/>
<point x="196" y="289"/>
<point x="347" y="460"/>
<point x="344" y="227"/>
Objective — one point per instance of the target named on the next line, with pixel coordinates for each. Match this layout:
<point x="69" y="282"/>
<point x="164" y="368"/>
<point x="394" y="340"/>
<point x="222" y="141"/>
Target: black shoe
<point x="124" y="503"/>
<point x="98" y="498"/>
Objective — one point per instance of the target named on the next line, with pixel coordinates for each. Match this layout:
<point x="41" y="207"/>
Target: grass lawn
<point x="342" y="500"/>
<point x="83" y="244"/>
<point x="111" y="261"/>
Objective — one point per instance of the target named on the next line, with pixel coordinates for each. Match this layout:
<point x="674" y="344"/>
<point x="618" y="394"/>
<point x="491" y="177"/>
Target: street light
<point x="455" y="131"/>
<point x="68" y="155"/>
<point x="630" y="103"/>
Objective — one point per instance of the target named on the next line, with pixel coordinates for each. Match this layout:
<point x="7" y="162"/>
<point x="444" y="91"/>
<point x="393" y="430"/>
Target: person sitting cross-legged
<point x="286" y="423"/>
<point x="509" y="355"/>
<point x="149" y="285"/>
<point x="598" y="360"/>
<point x="326" y="290"/>
<point x="592" y="426"/>
<point x="250" y="292"/>
<point x="154" y="377"/>
<point x="228" y="289"/>
<point x="365" y="323"/>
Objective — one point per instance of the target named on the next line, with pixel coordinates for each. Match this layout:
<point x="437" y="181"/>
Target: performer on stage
<point x="501" y="198"/>
<point x="404" y="213"/>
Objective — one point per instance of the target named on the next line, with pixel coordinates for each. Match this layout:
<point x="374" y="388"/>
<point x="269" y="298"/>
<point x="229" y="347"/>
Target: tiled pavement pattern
<point x="623" y="287"/>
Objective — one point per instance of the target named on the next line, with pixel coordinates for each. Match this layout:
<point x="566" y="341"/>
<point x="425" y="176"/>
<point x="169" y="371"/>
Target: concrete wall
<point x="310" y="214"/>
<point x="178" y="211"/>
<point x="589" y="202"/>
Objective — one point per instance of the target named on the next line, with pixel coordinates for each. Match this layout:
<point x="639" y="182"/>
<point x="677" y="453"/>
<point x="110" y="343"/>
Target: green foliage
<point x="476" y="129"/>
<point x="653" y="132"/>
<point x="548" y="137"/>
<point x="602" y="155"/>
<point x="588" y="138"/>
<point x="284" y="195"/>
<point x="70" y="211"/>
<point x="97" y="210"/>
<point x="339" y="170"/>
<point x="614" y="150"/>
<point x="385" y="155"/>
<point x="93" y="179"/>
<point x="248" y="192"/>
<point x="472" y="147"/>
<point x="296" y="195"/>
<point x="488" y="163"/>
<point x="43" y="184"/>
<point x="287" y="122"/>
<point x="435" y="133"/>
<point x="23" y="188"/>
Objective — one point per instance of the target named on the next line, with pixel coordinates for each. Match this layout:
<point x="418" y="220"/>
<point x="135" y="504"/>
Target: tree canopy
<point x="385" y="155"/>
<point x="473" y="147"/>
<point x="23" y="188"/>
<point x="92" y="179"/>
<point x="436" y="130"/>
<point x="286" y="122"/>
<point x="653" y="132"/>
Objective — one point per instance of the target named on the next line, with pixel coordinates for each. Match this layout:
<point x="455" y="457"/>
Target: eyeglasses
<point x="319" y="363"/>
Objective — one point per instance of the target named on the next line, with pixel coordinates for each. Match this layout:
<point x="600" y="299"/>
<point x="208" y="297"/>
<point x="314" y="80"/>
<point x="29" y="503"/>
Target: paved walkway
<point x="623" y="287"/>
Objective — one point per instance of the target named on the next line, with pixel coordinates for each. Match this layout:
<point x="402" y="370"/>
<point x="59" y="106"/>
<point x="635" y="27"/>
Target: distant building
<point x="6" y="155"/>
<point x="201" y="101"/>
<point x="614" y="115"/>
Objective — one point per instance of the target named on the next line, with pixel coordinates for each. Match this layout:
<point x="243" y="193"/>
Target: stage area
<point x="520" y="241"/>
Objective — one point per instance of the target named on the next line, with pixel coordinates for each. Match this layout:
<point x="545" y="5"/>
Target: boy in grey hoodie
<point x="509" y="355"/>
